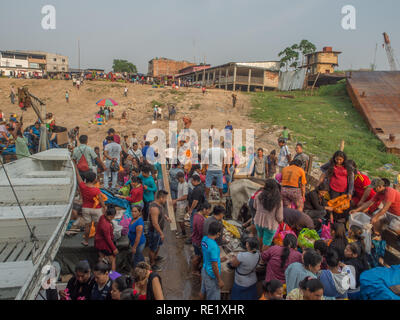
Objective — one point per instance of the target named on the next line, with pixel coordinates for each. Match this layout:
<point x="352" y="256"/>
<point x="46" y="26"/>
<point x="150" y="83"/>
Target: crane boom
<point x="389" y="52"/>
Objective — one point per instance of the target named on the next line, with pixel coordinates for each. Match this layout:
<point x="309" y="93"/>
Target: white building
<point x="21" y="64"/>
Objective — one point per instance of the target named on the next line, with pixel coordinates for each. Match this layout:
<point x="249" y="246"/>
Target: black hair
<point x="218" y="210"/>
<point x="196" y="178"/>
<point x="332" y="163"/>
<point x="357" y="232"/>
<point x="136" y="179"/>
<point x="296" y="162"/>
<point x="128" y="294"/>
<point x="102" y="267"/>
<point x="290" y="241"/>
<point x="137" y="207"/>
<point x="311" y="285"/>
<point x="271" y="195"/>
<point x="299" y="145"/>
<point x="332" y="257"/>
<point x="214" y="228"/>
<point x="340" y="230"/>
<point x="147" y="143"/>
<point x="324" y="186"/>
<point x="321" y="246"/>
<point x="83" y="266"/>
<point x="260" y="149"/>
<point x="180" y="174"/>
<point x="136" y="169"/>
<point x="205" y="205"/>
<point x="311" y="258"/>
<point x="386" y="181"/>
<point x="90" y="176"/>
<point x="253" y="243"/>
<point x="351" y="163"/>
<point x="273" y="152"/>
<point x="271" y="286"/>
<point x="83" y="139"/>
<point x="111" y="130"/>
<point x="281" y="140"/>
<point x="123" y="283"/>
<point x="317" y="224"/>
<point x="355" y="249"/>
<point x="193" y="169"/>
<point x="161" y="193"/>
<point x="110" y="138"/>
<point x="111" y="210"/>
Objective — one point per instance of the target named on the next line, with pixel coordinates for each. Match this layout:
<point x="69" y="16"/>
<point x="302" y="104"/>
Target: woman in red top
<point x="104" y="238"/>
<point x="147" y="283"/>
<point x="90" y="211"/>
<point x="340" y="175"/>
<point x="136" y="196"/>
<point x="362" y="191"/>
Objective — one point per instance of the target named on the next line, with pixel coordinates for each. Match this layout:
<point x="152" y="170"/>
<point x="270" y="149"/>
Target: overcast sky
<point x="219" y="31"/>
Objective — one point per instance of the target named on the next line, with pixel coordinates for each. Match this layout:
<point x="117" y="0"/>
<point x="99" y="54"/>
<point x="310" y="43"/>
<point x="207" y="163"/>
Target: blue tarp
<point x="125" y="204"/>
<point x="375" y="283"/>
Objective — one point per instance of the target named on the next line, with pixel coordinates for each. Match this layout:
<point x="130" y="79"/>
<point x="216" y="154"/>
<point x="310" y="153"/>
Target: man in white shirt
<point x="284" y="155"/>
<point x="135" y="152"/>
<point x="112" y="152"/>
<point x="214" y="160"/>
<point x="181" y="203"/>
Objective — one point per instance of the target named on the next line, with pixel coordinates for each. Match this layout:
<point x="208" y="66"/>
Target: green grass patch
<point x="158" y="103"/>
<point x="321" y="121"/>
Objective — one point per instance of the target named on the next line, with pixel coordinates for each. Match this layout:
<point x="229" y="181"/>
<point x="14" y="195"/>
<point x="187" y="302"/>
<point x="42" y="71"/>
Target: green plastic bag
<point x="307" y="237"/>
<point x="125" y="190"/>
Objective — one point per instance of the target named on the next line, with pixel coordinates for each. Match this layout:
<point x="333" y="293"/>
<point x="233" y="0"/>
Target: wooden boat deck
<point x="376" y="95"/>
<point x="18" y="251"/>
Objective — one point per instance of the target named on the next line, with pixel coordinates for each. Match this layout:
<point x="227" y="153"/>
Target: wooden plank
<point x="26" y="252"/>
<point x="14" y="274"/>
<point x="171" y="211"/>
<point x="7" y="251"/>
<point x="17" y="250"/>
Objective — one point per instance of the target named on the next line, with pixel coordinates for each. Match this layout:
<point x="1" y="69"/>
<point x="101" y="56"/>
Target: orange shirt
<point x="292" y="176"/>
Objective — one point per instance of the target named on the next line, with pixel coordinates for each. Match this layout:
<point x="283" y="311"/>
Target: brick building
<point x="160" y="67"/>
<point x="323" y="61"/>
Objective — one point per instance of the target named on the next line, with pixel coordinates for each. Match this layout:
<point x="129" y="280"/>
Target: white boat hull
<point x="45" y="185"/>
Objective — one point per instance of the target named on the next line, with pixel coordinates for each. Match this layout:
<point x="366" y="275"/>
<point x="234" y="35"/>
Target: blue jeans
<point x="209" y="286"/>
<point x="138" y="256"/>
<point x="114" y="176"/>
<point x="211" y="174"/>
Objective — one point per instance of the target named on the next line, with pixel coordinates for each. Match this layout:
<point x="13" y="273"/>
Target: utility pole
<point x="79" y="56"/>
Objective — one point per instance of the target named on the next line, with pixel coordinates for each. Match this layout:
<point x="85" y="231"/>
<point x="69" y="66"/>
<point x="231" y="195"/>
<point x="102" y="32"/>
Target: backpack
<point x="82" y="164"/>
<point x="326" y="232"/>
<point x="281" y="233"/>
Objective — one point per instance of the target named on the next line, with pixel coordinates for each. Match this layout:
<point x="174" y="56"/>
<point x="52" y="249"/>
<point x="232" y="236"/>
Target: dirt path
<point x="215" y="107"/>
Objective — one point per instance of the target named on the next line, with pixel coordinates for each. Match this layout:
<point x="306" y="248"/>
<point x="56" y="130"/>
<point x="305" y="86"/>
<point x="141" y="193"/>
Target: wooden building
<point x="246" y="76"/>
<point x="323" y="61"/>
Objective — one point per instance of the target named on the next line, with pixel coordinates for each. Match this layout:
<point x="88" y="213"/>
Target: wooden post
<point x="234" y="78"/>
<point x="342" y="145"/>
<point x="219" y="79"/>
<point x="226" y="78"/>
<point x="171" y="212"/>
<point x="214" y="77"/>
<point x="249" y="81"/>
<point x="316" y="79"/>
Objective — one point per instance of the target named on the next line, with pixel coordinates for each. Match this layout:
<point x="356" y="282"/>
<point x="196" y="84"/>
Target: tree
<point x="124" y="66"/>
<point x="290" y="55"/>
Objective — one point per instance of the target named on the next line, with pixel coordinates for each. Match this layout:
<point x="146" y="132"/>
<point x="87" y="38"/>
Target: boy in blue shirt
<point x="211" y="281"/>
<point x="150" y="189"/>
